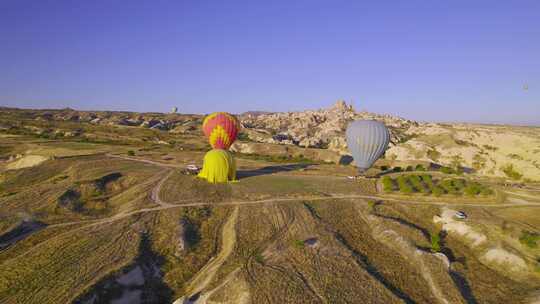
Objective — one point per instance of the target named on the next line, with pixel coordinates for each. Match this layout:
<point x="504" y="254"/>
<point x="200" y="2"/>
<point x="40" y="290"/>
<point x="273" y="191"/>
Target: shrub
<point x="459" y="184"/>
<point x="472" y="189"/>
<point x="433" y="155"/>
<point x="448" y="186"/>
<point x="409" y="168"/>
<point x="486" y="191"/>
<point x="243" y="137"/>
<point x="259" y="258"/>
<point x="529" y="239"/>
<point x="131" y="153"/>
<point x="435" y="243"/>
<point x="437" y="191"/>
<point x="397" y="169"/>
<point x="384" y="168"/>
<point x="479" y="162"/>
<point x="447" y="170"/>
<point x="492" y="148"/>
<point x="388" y="184"/>
<point x="298" y="244"/>
<point x="404" y="185"/>
<point x="426" y="178"/>
<point x="416" y="181"/>
<point x="419" y="167"/>
<point x="511" y="172"/>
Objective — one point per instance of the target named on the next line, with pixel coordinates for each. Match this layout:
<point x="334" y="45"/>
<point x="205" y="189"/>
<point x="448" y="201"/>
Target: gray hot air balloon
<point x="367" y="140"/>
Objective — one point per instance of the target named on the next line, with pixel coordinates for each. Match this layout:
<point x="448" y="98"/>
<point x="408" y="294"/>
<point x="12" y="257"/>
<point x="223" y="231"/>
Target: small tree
<point x="479" y="162"/>
<point x="437" y="191"/>
<point x="456" y="162"/>
<point x="447" y="170"/>
<point x="404" y="185"/>
<point x="419" y="167"/>
<point x="511" y="172"/>
<point x="435" y="243"/>
<point x="388" y="184"/>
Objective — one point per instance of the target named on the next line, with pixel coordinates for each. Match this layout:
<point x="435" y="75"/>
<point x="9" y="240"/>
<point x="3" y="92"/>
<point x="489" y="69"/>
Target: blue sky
<point x="425" y="60"/>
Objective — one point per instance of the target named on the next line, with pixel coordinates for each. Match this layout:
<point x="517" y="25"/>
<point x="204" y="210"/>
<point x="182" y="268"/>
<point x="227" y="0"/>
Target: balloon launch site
<point x="320" y="206"/>
<point x="269" y="152"/>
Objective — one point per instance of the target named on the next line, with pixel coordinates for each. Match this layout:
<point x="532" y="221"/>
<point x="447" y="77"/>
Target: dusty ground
<point x="284" y="233"/>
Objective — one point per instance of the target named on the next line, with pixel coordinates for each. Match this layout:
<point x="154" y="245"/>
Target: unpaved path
<point x="166" y="205"/>
<point x="203" y="278"/>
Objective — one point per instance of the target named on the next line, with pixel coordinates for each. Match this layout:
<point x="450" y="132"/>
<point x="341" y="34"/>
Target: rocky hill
<point x="494" y="150"/>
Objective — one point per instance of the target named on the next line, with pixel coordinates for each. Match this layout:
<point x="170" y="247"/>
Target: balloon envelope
<point x="219" y="167"/>
<point x="367" y="140"/>
<point x="221" y="129"/>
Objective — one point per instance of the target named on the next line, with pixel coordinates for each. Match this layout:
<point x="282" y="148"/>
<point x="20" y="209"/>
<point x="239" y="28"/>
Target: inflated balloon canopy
<point x="218" y="167"/>
<point x="221" y="129"/>
<point x="367" y="140"/>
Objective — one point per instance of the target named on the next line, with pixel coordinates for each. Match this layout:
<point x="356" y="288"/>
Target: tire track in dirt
<point x="204" y="277"/>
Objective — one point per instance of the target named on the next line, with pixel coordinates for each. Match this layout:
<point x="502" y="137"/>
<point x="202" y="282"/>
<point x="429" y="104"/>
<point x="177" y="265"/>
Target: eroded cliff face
<point x="488" y="149"/>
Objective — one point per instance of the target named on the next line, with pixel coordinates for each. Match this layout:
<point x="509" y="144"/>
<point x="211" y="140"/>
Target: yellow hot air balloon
<point x="219" y="167"/>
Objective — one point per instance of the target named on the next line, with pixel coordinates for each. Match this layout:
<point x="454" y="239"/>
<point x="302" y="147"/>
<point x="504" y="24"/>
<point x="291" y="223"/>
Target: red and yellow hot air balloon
<point x="221" y="129"/>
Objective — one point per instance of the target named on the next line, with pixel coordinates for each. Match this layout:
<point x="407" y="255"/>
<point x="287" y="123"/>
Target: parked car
<point x="461" y="215"/>
<point x="191" y="170"/>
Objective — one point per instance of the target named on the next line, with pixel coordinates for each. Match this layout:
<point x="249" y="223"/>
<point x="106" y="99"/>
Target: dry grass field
<point x="112" y="217"/>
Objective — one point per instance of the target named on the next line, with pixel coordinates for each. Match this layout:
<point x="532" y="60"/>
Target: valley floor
<point x="115" y="228"/>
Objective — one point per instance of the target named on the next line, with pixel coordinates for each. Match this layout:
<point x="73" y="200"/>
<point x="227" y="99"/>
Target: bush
<point x="420" y="168"/>
<point x="397" y="169"/>
<point x="511" y="172"/>
<point x="486" y="191"/>
<point x="259" y="258"/>
<point x="404" y="185"/>
<point x="131" y="153"/>
<point x="435" y="243"/>
<point x="448" y="186"/>
<point x="459" y="184"/>
<point x="427" y="180"/>
<point x="472" y="189"/>
<point x="416" y="182"/>
<point x="437" y="191"/>
<point x="243" y="137"/>
<point x="372" y="204"/>
<point x="299" y="244"/>
<point x="433" y="154"/>
<point x="388" y="184"/>
<point x="529" y="239"/>
<point x="409" y="168"/>
<point x="447" y="170"/>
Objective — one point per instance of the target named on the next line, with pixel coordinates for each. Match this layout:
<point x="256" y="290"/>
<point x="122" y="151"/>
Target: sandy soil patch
<point x="450" y="224"/>
<point x="26" y="162"/>
<point x="504" y="258"/>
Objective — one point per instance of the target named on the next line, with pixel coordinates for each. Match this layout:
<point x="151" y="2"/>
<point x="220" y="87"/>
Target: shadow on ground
<point x="270" y="170"/>
<point x="140" y="282"/>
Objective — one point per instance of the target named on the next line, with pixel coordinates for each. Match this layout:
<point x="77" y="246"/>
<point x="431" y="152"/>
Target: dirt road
<point x="204" y="277"/>
<point x="161" y="205"/>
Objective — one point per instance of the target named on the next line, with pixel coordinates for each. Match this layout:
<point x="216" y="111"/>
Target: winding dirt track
<point x="204" y="276"/>
<point x="166" y="205"/>
<point x="162" y="205"/>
